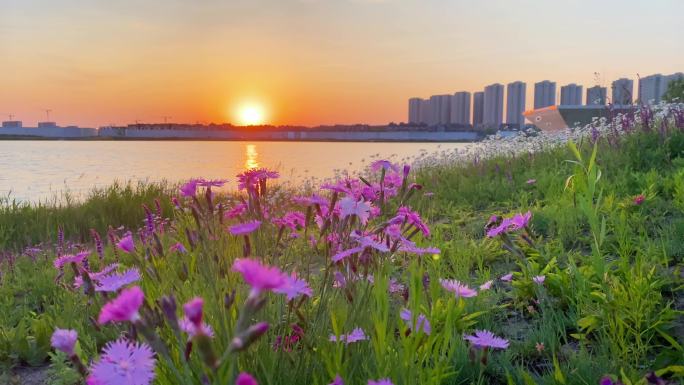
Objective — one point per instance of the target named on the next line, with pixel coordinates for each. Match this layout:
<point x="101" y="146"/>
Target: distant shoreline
<point x="129" y="139"/>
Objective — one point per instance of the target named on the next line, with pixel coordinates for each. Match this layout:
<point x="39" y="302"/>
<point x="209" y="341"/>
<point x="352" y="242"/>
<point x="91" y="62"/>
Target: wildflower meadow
<point x="542" y="259"/>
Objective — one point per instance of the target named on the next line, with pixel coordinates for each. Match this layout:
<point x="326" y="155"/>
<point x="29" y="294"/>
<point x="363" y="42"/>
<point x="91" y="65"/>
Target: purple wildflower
<point x="124" y="307"/>
<point x="346" y="253"/>
<point x="115" y="281"/>
<point x="405" y="214"/>
<point x="382" y="381"/>
<point x="349" y="206"/>
<point x="245" y="379"/>
<point x="236" y="211"/>
<point x="64" y="340"/>
<point x="383" y="164"/>
<point x="244" y="228"/>
<point x="456" y="287"/>
<point x="193" y="330"/>
<point x="259" y="277"/>
<point x="531" y="181"/>
<point x="355" y="336"/>
<point x="66" y="259"/>
<point x="98" y="243"/>
<point x="178" y="247"/>
<point x="189" y="189"/>
<point x="294" y="287"/>
<point x="539" y="279"/>
<point x="486" y="339"/>
<point x="487" y="285"/>
<point x="639" y="199"/>
<point x="193" y="310"/>
<point x="337" y="381"/>
<point x="126" y="244"/>
<point x="507" y="278"/>
<point x="123" y="363"/>
<point x="422" y="322"/>
<point x="211" y="182"/>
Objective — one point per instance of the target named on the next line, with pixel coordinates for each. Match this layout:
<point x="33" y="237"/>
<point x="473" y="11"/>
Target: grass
<point x="610" y="303"/>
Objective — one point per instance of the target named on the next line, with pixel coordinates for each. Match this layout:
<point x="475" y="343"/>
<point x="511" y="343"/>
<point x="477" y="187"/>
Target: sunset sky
<point x="97" y="62"/>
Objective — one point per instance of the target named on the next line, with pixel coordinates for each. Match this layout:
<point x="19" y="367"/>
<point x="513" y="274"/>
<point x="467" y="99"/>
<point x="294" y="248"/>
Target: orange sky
<point x="309" y="61"/>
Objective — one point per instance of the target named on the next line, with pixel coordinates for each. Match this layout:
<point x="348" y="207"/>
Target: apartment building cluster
<point x="488" y="105"/>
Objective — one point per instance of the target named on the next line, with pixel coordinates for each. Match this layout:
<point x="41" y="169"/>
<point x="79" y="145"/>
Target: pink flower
<point x="259" y="277"/>
<point x="66" y="259"/>
<point x="539" y="279"/>
<point x="349" y="206"/>
<point x="383" y="164"/>
<point x="639" y="199"/>
<point x="126" y="244"/>
<point x="124" y="307"/>
<point x="245" y="379"/>
<point x="339" y="281"/>
<point x="485" y="338"/>
<point x="249" y="179"/>
<point x="123" y="363"/>
<point x="406" y="215"/>
<point x="189" y="189"/>
<point x="236" y="211"/>
<point x="293" y="220"/>
<point x="539" y="346"/>
<point x="346" y="253"/>
<point x="178" y="247"/>
<point x="78" y="280"/>
<point x="115" y="281"/>
<point x="355" y="336"/>
<point x="64" y="340"/>
<point x="520" y="221"/>
<point x="456" y="287"/>
<point x="421" y="322"/>
<point x="211" y="182"/>
<point x="337" y="381"/>
<point x="487" y="285"/>
<point x="193" y="310"/>
<point x="244" y="228"/>
<point x="507" y="278"/>
<point x="193" y="330"/>
<point x="294" y="287"/>
<point x="383" y="381"/>
<point x="531" y="181"/>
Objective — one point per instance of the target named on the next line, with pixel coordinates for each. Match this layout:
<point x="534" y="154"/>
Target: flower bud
<point x="193" y="310"/>
<point x="168" y="306"/>
<point x="250" y="335"/>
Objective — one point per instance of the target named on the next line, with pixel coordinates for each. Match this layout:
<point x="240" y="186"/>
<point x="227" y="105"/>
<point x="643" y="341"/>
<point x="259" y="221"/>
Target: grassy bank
<point x="588" y="286"/>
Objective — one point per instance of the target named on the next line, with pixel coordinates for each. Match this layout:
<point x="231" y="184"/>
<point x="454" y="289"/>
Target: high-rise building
<point x="650" y="89"/>
<point x="425" y="112"/>
<point x="414" y="110"/>
<point x="515" y="104"/>
<point x="460" y="108"/>
<point x="544" y="94"/>
<point x="493" y="105"/>
<point x="478" y="109"/>
<point x="571" y="95"/>
<point x="440" y="107"/>
<point x="596" y="96"/>
<point x="669" y="79"/>
<point x="622" y="91"/>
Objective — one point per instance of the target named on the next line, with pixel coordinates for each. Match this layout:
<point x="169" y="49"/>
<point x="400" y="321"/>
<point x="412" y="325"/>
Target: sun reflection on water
<point x="251" y="157"/>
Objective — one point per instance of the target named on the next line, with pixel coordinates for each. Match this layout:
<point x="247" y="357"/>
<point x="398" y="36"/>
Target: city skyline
<point x="488" y="106"/>
<point x="307" y="62"/>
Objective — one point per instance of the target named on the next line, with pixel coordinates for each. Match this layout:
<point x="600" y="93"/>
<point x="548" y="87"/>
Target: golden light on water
<point x="251" y="114"/>
<point x="251" y="157"/>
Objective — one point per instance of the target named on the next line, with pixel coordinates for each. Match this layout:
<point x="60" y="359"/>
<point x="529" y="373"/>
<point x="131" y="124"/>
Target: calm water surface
<point x="39" y="170"/>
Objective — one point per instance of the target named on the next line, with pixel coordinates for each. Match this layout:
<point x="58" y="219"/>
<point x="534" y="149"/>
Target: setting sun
<point x="251" y="115"/>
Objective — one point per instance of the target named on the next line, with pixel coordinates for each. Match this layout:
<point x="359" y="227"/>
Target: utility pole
<point x="166" y="118"/>
<point x="47" y="114"/>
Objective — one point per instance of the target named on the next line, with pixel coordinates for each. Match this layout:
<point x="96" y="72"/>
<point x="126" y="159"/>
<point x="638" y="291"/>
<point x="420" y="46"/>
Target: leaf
<point x="588" y="322"/>
<point x="557" y="372"/>
<point x="669" y="339"/>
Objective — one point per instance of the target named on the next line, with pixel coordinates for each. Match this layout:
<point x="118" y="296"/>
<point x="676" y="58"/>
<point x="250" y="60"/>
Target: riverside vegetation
<point x="546" y="259"/>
